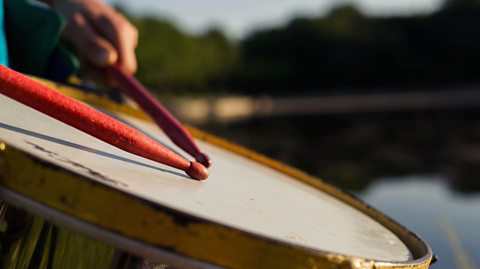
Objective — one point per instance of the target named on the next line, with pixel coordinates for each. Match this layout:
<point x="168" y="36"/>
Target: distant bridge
<point x="243" y="107"/>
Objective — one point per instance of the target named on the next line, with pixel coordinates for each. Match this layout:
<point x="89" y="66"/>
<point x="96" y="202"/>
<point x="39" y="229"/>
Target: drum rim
<point x="300" y="257"/>
<point x="98" y="233"/>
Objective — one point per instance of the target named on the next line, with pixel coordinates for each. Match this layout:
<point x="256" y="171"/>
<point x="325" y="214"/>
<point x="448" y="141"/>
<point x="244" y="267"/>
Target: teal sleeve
<point x="33" y="32"/>
<point x="3" y="41"/>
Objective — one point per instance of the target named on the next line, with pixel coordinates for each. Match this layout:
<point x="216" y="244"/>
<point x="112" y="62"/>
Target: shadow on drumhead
<point x="84" y="148"/>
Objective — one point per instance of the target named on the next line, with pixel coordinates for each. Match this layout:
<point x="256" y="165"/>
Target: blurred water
<point x="448" y="221"/>
<point x="372" y="155"/>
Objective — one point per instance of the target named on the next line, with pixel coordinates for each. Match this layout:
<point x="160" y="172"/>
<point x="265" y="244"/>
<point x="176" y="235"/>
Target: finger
<point x="122" y="35"/>
<point x="95" y="73"/>
<point x="89" y="43"/>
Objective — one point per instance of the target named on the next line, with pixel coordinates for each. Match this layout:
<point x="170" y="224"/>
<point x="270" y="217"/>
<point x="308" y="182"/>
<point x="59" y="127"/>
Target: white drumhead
<point x="239" y="192"/>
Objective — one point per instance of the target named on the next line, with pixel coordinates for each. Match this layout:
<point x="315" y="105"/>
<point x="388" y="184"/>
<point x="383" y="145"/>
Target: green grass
<point x="46" y="246"/>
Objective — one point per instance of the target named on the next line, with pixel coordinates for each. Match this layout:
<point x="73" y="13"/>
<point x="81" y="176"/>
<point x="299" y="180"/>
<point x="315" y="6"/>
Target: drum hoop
<point x="105" y="236"/>
<point x="178" y="232"/>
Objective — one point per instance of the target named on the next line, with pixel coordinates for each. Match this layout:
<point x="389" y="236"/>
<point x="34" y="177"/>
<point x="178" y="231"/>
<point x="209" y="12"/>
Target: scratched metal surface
<point x="239" y="193"/>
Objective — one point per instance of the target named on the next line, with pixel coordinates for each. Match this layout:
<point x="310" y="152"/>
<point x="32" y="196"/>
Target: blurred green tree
<point x="344" y="51"/>
<point x="350" y="51"/>
<point x="170" y="60"/>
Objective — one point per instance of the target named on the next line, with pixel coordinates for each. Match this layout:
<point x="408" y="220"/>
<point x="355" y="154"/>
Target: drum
<point x="73" y="201"/>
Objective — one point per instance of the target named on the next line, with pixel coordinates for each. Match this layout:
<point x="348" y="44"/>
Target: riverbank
<point x="351" y="150"/>
<point x="237" y="108"/>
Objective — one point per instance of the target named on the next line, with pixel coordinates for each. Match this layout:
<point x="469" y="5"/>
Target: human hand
<point x="100" y="35"/>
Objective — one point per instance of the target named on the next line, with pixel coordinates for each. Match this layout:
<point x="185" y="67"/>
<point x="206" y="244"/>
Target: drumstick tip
<point x="197" y="171"/>
<point x="204" y="159"/>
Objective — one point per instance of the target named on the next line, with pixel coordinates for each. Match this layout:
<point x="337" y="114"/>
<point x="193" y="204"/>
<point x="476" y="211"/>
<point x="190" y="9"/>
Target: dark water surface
<point x="420" y="168"/>
<point x="448" y="221"/>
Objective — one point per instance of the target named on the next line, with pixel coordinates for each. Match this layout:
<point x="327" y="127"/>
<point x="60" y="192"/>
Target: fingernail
<point x="105" y="58"/>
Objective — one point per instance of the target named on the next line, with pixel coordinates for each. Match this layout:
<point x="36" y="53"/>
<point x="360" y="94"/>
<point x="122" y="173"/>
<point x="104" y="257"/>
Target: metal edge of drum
<point x="298" y="257"/>
<point x="108" y="237"/>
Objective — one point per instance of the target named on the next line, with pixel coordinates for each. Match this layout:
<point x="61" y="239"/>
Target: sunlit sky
<point x="238" y="17"/>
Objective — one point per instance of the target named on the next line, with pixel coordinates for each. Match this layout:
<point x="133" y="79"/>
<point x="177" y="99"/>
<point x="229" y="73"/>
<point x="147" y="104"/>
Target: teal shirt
<point x="3" y="41"/>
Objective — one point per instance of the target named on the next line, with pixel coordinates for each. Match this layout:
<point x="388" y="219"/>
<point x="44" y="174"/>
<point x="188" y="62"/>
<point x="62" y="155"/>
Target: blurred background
<point x="381" y="98"/>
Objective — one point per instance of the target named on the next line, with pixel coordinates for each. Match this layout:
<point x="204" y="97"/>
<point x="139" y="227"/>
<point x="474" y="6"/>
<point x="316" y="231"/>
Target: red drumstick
<point x="167" y="122"/>
<point x="91" y="121"/>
